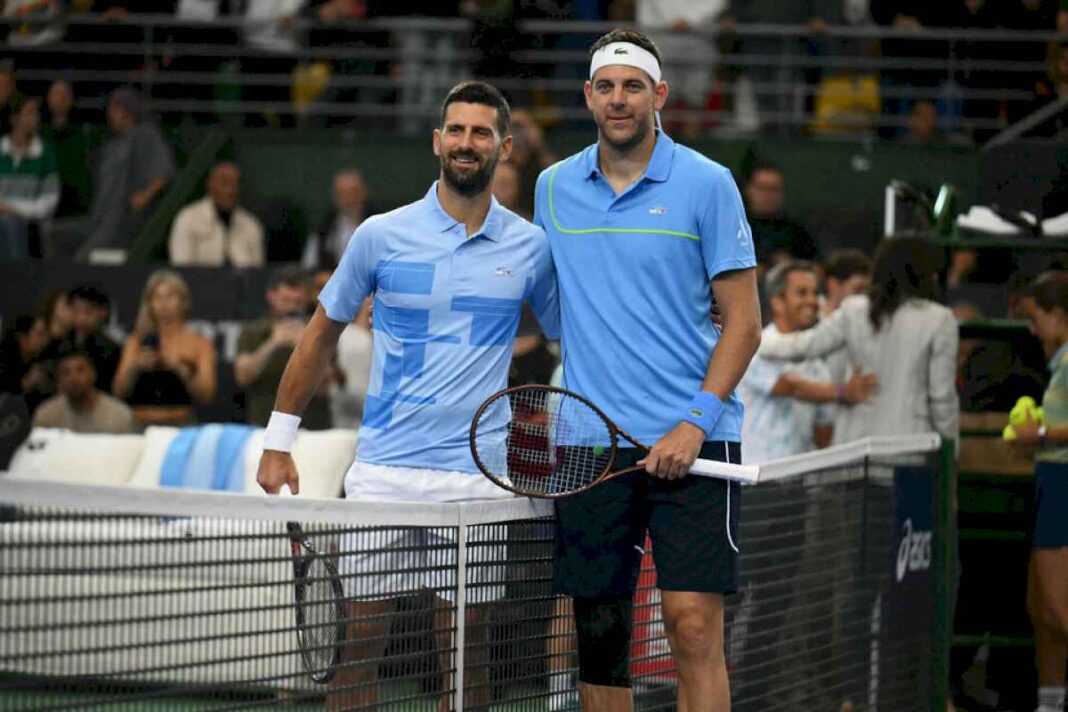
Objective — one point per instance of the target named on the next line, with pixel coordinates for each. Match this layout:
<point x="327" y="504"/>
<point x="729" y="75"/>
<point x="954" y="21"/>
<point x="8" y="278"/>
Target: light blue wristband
<point x="704" y="411"/>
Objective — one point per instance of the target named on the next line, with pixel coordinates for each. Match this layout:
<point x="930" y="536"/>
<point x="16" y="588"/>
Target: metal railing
<point x="395" y="71"/>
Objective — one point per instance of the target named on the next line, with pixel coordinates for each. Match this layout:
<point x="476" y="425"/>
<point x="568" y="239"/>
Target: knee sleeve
<point x="603" y="626"/>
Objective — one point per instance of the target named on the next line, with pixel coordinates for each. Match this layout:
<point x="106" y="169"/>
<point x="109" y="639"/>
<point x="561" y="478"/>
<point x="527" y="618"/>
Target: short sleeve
<point x="354" y="279"/>
<point x="539" y="200"/>
<point x="726" y="238"/>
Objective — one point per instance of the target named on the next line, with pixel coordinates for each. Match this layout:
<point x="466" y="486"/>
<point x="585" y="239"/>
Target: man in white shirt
<point x="789" y="407"/>
<point x="215" y="231"/>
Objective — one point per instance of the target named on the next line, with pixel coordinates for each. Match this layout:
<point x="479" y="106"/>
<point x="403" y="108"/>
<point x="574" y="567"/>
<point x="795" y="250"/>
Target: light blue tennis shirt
<point x="635" y="273"/>
<point x="446" y="308"/>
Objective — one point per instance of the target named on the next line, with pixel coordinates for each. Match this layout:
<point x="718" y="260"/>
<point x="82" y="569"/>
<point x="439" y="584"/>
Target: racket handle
<point x="746" y="474"/>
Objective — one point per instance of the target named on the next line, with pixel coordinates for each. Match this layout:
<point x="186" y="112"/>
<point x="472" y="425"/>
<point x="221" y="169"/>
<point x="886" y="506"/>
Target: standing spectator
<point x="846" y="272"/>
<point x="776" y="236"/>
<point x="325" y="247"/>
<point x="265" y="345"/>
<point x="165" y="366"/>
<point x="1047" y="584"/>
<point x="676" y="27"/>
<point x="789" y="408"/>
<point x="65" y="130"/>
<point x="271" y="33"/>
<point x="215" y="230"/>
<point x="81" y="406"/>
<point x="135" y="166"/>
<point x="29" y="181"/>
<point x="895" y="332"/>
<point x="25" y="337"/>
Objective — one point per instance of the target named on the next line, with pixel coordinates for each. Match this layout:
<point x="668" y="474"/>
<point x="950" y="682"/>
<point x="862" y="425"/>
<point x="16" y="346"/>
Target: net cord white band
<point x="281" y="431"/>
<point x="627" y="54"/>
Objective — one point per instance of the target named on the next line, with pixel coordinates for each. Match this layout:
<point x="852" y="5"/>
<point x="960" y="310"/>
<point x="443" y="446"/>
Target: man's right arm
<point x="305" y="369"/>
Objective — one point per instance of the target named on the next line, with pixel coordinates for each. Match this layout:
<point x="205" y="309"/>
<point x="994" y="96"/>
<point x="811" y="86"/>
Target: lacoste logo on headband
<point x="621" y="50"/>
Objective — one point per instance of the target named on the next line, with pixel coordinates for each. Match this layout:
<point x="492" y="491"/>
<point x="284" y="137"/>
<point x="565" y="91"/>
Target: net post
<point x="944" y="558"/>
<point x="461" y="609"/>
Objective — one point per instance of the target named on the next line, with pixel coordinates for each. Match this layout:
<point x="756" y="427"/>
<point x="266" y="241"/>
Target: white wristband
<point x="281" y="431"/>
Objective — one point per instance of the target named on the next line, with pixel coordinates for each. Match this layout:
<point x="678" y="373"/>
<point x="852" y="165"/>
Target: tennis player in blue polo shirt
<point x="449" y="274"/>
<point x="643" y="233"/>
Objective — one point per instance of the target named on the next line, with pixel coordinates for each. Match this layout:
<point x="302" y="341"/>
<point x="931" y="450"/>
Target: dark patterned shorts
<point x="693" y="524"/>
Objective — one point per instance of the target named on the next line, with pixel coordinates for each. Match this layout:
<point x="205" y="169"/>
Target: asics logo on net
<point x="914" y="552"/>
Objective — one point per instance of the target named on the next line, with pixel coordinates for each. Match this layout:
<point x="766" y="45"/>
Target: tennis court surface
<point x="127" y="599"/>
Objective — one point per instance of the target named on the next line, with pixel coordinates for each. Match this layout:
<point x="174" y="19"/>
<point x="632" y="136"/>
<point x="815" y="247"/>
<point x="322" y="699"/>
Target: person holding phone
<point x="265" y="345"/>
<point x="166" y="368"/>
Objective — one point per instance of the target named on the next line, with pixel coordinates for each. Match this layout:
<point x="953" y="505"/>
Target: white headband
<point x="627" y="54"/>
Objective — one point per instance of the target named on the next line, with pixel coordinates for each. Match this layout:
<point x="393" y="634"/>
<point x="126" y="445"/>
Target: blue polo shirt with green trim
<point x="634" y="273"/>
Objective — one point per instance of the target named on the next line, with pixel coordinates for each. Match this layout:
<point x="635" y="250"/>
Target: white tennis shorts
<point x="392" y="562"/>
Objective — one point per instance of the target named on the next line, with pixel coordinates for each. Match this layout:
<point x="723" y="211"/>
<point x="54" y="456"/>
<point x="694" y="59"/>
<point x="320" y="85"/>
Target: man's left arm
<point x="736" y="292"/>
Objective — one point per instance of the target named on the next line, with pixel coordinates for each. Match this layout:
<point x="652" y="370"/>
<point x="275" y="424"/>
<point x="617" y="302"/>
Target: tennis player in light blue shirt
<point x="643" y="233"/>
<point x="449" y="274"/>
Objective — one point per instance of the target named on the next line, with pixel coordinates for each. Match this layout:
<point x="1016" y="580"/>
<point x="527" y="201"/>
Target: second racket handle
<point x="747" y="474"/>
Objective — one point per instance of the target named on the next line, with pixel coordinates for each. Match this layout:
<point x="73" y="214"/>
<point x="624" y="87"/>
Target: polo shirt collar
<point x="659" y="167"/>
<point x="491" y="228"/>
<point x="34" y="151"/>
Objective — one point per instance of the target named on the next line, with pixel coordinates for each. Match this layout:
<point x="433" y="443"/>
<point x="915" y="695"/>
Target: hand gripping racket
<point x="320" y="606"/>
<point x="546" y="442"/>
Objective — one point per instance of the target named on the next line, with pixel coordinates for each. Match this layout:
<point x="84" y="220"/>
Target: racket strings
<point x="543" y="442"/>
<point x="320" y="614"/>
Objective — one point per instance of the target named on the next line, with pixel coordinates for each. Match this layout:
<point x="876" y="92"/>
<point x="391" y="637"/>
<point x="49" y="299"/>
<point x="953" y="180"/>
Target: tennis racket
<point x="546" y="442"/>
<point x="320" y="606"/>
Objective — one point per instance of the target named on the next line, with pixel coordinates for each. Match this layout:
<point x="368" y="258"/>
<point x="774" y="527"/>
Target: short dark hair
<point x="1050" y="291"/>
<point x="760" y="166"/>
<point x="843" y="264"/>
<point x="71" y="351"/>
<point x="777" y="276"/>
<point x="90" y="292"/>
<point x="625" y="34"/>
<point x="290" y="276"/>
<point x="476" y="92"/>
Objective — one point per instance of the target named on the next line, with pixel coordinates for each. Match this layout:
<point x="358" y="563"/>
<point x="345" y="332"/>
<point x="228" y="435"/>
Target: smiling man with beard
<point x="449" y="275"/>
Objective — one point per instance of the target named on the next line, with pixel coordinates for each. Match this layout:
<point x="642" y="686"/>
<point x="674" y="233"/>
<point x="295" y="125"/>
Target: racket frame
<point x="304" y="553"/>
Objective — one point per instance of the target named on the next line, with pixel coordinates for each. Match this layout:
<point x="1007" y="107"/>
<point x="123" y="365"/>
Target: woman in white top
<point x="899" y="333"/>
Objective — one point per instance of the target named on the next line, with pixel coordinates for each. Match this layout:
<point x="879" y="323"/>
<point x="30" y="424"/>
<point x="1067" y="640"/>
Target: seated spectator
<point x="264" y="347"/>
<point x="506" y="188"/>
<point x="216" y="231"/>
<point x="80" y="405"/>
<point x="922" y="125"/>
<point x="326" y="245"/>
<point x="65" y="129"/>
<point x="134" y="167"/>
<point x="90" y="309"/>
<point x="775" y="236"/>
<point x="25" y="337"/>
<point x="29" y="180"/>
<point x="165" y="366"/>
<point x="789" y="408"/>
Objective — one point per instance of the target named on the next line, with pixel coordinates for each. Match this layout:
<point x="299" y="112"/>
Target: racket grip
<point x="746" y="474"/>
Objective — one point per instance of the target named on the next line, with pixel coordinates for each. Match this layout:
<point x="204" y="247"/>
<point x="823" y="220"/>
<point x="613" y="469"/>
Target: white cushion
<point x="60" y="455"/>
<point x="322" y="457"/>
<point x="157" y="440"/>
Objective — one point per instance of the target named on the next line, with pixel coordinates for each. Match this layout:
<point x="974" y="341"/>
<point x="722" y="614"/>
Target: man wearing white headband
<point x="643" y="233"/>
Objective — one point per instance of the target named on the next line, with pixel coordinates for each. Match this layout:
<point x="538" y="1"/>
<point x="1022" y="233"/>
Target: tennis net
<point x="122" y="598"/>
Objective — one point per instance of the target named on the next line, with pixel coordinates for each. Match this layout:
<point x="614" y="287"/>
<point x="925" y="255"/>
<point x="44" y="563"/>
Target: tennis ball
<point x="1025" y="410"/>
<point x="598" y="449"/>
<point x="1009" y="433"/>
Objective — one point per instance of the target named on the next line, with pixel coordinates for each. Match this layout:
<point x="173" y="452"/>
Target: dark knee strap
<point x="604" y="629"/>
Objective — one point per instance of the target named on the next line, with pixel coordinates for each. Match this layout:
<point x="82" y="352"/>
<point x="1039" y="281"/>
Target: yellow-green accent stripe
<point x="566" y="231"/>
